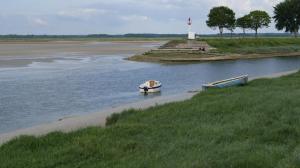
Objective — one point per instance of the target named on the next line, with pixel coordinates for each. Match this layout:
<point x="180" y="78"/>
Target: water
<point x="47" y="91"/>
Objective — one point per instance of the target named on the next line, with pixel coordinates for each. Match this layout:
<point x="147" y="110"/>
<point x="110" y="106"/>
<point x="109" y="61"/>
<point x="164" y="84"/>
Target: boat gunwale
<point x="225" y="81"/>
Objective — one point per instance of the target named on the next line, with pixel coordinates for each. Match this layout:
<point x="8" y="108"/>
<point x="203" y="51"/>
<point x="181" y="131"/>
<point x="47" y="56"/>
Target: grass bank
<point x="252" y="126"/>
<point x="225" y="49"/>
<point x="255" y="45"/>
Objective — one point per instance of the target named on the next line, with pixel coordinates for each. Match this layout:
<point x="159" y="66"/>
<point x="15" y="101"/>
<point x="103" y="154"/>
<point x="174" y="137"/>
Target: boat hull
<point x="238" y="81"/>
<point x="150" y="90"/>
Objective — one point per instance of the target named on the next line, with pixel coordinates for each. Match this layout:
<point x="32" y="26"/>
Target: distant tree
<point x="244" y="23"/>
<point x="221" y="17"/>
<point x="259" y="19"/>
<point x="287" y="16"/>
<point x="231" y="27"/>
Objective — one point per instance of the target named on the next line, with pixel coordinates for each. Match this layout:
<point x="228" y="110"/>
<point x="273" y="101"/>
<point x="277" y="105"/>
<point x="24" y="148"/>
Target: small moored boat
<point x="237" y="81"/>
<point x="150" y="86"/>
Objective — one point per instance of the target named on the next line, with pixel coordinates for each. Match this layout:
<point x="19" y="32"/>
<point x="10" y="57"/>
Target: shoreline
<point x="211" y="58"/>
<point x="209" y="50"/>
<point x="70" y="124"/>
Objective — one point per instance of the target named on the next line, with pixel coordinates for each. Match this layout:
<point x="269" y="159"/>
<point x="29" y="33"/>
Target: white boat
<point x="241" y="80"/>
<point x="150" y="86"/>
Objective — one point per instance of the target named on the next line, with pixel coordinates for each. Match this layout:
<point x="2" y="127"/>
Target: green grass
<point x="242" y="127"/>
<point x="255" y="45"/>
<point x="173" y="43"/>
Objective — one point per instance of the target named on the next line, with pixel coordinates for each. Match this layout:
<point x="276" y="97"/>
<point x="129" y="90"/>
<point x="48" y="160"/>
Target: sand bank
<point x="15" y="54"/>
<point x="83" y="47"/>
<point x="99" y="118"/>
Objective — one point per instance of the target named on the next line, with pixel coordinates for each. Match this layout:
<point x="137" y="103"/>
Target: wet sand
<point x="16" y="54"/>
<point x="98" y="119"/>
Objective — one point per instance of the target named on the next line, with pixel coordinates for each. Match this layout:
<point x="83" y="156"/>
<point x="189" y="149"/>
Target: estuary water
<point x="77" y="85"/>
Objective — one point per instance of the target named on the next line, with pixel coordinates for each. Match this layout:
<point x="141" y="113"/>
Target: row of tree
<point x="287" y="17"/>
<point x="224" y="18"/>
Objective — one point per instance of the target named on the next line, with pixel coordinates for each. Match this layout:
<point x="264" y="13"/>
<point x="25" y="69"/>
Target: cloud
<point x="40" y="22"/>
<point x="136" y="18"/>
<point x="82" y="12"/>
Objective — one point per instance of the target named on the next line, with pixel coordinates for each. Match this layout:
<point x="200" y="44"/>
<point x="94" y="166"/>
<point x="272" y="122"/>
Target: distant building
<point x="191" y="35"/>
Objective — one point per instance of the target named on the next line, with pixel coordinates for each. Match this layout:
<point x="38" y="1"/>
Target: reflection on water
<point x="47" y="91"/>
<point x="151" y="95"/>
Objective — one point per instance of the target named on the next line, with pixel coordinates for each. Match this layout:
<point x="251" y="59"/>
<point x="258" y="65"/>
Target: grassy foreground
<point x="226" y="49"/>
<point x="253" y="126"/>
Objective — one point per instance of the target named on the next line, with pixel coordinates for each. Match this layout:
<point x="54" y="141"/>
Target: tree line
<point x="286" y="17"/>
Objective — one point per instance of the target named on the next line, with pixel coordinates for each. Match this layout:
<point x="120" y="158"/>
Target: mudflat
<point x="21" y="53"/>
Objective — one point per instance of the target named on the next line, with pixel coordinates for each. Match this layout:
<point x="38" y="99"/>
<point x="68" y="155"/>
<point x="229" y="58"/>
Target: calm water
<point x="45" y="92"/>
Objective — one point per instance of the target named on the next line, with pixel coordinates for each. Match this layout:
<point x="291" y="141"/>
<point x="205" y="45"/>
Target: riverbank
<point x="218" y="128"/>
<point x="221" y="49"/>
<point x="74" y="123"/>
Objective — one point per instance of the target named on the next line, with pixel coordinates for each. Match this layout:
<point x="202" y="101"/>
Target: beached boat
<point x="237" y="81"/>
<point x="150" y="86"/>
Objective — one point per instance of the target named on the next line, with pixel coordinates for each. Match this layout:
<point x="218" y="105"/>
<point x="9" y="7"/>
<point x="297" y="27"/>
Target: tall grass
<point x="252" y="126"/>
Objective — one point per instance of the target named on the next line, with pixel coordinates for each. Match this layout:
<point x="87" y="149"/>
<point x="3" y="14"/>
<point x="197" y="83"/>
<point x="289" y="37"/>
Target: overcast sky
<point x="116" y="16"/>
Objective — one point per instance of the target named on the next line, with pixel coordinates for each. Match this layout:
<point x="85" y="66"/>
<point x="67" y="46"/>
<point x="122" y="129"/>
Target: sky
<point x="117" y="16"/>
